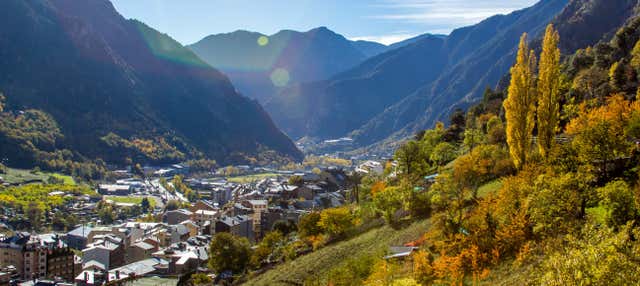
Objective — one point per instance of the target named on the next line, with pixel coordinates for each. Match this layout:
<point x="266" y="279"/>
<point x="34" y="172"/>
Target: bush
<point x="619" y="201"/>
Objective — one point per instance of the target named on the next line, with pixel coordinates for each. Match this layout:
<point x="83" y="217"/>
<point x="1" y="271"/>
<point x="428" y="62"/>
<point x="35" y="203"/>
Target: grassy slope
<point x="319" y="263"/>
<point x="18" y="176"/>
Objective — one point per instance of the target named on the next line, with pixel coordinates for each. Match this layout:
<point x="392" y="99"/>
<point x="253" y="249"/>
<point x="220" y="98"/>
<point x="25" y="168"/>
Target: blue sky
<point x="385" y="21"/>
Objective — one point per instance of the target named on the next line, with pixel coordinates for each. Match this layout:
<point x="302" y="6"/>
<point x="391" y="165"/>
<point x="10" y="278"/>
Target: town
<point x="155" y="224"/>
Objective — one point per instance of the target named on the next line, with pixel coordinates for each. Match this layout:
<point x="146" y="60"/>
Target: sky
<point x="385" y="21"/>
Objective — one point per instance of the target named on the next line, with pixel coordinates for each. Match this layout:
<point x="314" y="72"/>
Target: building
<point x="177" y="216"/>
<point x="108" y="250"/>
<point x="37" y="256"/>
<point x="202" y="216"/>
<point x="258" y="207"/>
<point x="140" y="251"/>
<point x="78" y="237"/>
<point x="240" y="225"/>
<point x="114" y="189"/>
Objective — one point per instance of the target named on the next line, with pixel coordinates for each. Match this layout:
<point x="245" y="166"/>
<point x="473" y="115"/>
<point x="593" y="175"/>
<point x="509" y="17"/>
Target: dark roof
<point x="82" y="231"/>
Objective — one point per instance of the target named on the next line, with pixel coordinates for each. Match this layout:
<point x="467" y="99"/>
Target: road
<point x="163" y="193"/>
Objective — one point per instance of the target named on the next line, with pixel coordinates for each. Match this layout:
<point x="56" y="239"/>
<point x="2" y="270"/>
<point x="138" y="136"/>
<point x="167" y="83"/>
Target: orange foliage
<point x="617" y="111"/>
<point x="378" y="187"/>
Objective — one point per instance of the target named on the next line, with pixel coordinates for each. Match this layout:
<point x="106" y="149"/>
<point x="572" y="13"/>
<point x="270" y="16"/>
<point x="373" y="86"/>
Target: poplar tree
<point x="548" y="91"/>
<point x="520" y="104"/>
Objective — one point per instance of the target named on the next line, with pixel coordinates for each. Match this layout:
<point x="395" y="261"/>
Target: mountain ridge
<point x="120" y="76"/>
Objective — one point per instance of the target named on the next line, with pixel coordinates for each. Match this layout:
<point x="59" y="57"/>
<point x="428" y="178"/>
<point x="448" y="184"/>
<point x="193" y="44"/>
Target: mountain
<point x="412" y="86"/>
<point x="580" y="23"/>
<point x="117" y="88"/>
<point x="260" y="65"/>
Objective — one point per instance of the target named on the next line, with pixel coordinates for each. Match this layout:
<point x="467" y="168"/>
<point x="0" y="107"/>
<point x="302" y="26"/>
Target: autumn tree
<point x="520" y="104"/>
<point x="308" y="225"/>
<point x="229" y="253"/>
<point x="336" y="221"/>
<point x="600" y="134"/>
<point x="548" y="91"/>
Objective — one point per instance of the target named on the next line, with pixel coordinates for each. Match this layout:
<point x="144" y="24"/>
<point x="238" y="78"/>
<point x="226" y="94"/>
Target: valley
<point x="319" y="142"/>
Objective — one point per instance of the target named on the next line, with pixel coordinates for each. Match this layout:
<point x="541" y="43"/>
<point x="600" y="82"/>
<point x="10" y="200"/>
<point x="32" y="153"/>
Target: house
<point x="131" y="271"/>
<point x="177" y="216"/>
<point x="192" y="227"/>
<point x="202" y="216"/>
<point x="240" y="225"/>
<point x="140" y="251"/>
<point x="186" y="256"/>
<point x="400" y="252"/>
<point x="78" y="237"/>
<point x="108" y="250"/>
<point x="303" y="192"/>
<point x="370" y="167"/>
<point x="203" y="205"/>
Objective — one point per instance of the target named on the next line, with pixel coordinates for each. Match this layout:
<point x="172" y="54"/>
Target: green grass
<point x="68" y="180"/>
<point x="130" y="200"/>
<point x="251" y="178"/>
<point x="20" y="176"/>
<point x="319" y="263"/>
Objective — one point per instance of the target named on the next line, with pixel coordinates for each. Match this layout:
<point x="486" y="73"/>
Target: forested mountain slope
<point x="98" y="74"/>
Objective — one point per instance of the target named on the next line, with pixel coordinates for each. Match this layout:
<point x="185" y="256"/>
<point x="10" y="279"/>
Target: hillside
<point x="534" y="185"/>
<point x="371" y="100"/>
<point x="260" y="65"/>
<point x="118" y="89"/>
<point x="315" y="266"/>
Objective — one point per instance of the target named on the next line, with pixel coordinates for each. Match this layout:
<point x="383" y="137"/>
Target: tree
<point x="409" y="157"/>
<point x="145" y="205"/>
<point x="548" y="91"/>
<point x="354" y="180"/>
<point x="336" y="221"/>
<point x="600" y="134"/>
<point x="309" y="225"/>
<point x="635" y="56"/>
<point x="520" y="104"/>
<point x="172" y="205"/>
<point x="200" y="279"/>
<point x="137" y="169"/>
<point x="228" y="252"/>
<point x="296" y="181"/>
<point x="268" y="250"/>
<point x="35" y="213"/>
<point x="389" y="201"/>
<point x="443" y="153"/>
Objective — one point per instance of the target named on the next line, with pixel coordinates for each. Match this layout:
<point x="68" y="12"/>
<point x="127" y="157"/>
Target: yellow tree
<point x="520" y="104"/>
<point x="548" y="91"/>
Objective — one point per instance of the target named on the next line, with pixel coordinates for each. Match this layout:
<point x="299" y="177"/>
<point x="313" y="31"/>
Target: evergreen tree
<point x="548" y="91"/>
<point x="520" y="104"/>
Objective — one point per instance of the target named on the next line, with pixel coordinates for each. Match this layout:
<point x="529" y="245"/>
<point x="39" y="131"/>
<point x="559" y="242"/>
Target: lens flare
<point x="263" y="41"/>
<point x="280" y="77"/>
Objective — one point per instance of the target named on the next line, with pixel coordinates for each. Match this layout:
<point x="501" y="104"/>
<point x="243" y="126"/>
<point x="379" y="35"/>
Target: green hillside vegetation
<point x="541" y="188"/>
<point x="314" y="268"/>
<point x="20" y="176"/>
